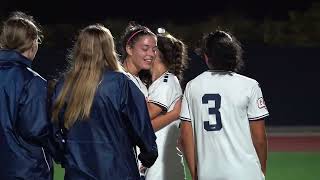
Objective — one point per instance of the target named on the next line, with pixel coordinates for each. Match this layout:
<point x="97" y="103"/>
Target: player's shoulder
<point x="198" y="78"/>
<point x="127" y="74"/>
<point x="34" y="79"/>
<point x="167" y="79"/>
<point x="167" y="76"/>
<point x="114" y="77"/>
<point x="245" y="79"/>
<point x="235" y="77"/>
<point x="171" y="78"/>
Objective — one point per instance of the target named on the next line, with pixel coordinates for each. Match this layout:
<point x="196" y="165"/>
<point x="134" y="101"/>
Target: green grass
<point x="58" y="172"/>
<point x="293" y="166"/>
<point x="281" y="166"/>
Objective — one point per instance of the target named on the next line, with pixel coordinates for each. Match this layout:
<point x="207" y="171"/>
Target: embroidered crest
<point x="261" y="103"/>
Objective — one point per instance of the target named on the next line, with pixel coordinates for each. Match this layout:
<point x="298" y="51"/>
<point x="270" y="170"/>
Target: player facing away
<point x="222" y="131"/>
<point x="163" y="94"/>
<point x="24" y="126"/>
<point x="102" y="113"/>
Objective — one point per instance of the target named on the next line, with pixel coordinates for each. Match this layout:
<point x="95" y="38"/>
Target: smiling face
<point x="143" y="52"/>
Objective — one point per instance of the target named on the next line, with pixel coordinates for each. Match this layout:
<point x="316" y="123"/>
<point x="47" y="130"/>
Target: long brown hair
<point x="173" y="53"/>
<point x="93" y="52"/>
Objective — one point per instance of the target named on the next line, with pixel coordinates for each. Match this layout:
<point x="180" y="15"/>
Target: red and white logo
<point x="261" y="103"/>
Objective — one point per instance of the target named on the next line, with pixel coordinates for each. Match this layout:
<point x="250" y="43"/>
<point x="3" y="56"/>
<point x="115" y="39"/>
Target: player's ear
<point x="129" y="50"/>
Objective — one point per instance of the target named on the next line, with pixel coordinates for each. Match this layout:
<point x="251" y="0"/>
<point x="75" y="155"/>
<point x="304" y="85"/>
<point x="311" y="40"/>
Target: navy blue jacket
<point x="102" y="147"/>
<point x="23" y="120"/>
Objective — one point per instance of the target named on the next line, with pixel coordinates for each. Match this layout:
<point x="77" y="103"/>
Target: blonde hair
<point x="93" y="52"/>
<point x="19" y="32"/>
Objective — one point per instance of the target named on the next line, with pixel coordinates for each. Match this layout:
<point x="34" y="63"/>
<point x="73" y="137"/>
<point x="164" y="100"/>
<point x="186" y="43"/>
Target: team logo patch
<point x="261" y="103"/>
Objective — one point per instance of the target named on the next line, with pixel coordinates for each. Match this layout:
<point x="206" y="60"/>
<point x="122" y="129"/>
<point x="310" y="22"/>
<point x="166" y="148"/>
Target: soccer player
<point x="102" y="113"/>
<point x="163" y="94"/>
<point x="139" y="47"/>
<point x="223" y="131"/>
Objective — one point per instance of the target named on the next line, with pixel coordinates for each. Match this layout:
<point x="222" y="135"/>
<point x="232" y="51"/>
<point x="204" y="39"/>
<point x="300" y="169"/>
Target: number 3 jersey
<point x="165" y="91"/>
<point x="220" y="104"/>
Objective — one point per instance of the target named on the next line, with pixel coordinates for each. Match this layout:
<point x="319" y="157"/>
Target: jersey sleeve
<point x="185" y="110"/>
<point x="257" y="108"/>
<point x="165" y="94"/>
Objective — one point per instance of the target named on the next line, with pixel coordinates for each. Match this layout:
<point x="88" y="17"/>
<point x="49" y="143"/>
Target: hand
<point x="179" y="146"/>
<point x="148" y="159"/>
<point x="142" y="169"/>
<point x="194" y="177"/>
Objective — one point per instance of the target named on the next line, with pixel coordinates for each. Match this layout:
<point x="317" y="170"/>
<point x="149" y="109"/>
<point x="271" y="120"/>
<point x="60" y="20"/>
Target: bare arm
<point x="161" y="121"/>
<point x="188" y="147"/>
<point x="154" y="110"/>
<point x="259" y="138"/>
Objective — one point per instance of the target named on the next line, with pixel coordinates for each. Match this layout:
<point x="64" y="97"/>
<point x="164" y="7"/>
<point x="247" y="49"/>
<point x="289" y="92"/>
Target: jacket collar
<point x="7" y="55"/>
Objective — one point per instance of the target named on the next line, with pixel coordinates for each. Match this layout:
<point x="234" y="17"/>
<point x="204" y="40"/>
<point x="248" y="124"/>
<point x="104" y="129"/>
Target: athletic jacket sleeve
<point x="33" y="123"/>
<point x="135" y="111"/>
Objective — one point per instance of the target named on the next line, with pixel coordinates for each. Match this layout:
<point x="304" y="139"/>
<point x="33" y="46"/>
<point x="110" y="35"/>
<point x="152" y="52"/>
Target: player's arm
<point x="135" y="113"/>
<point x="33" y="123"/>
<point x="188" y="147"/>
<point x="257" y="111"/>
<point x="259" y="138"/>
<point x="163" y="120"/>
<point x="154" y="110"/>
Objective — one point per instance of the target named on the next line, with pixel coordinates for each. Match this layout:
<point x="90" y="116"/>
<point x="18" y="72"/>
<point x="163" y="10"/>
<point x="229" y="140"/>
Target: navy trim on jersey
<point x="164" y="107"/>
<point x="259" y="117"/>
<point x="184" y="119"/>
<point x="166" y="78"/>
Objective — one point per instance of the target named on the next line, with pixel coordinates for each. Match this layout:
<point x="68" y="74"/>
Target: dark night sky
<point x="71" y="11"/>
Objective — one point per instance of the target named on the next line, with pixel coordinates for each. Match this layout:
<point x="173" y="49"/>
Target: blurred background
<point x="281" y="42"/>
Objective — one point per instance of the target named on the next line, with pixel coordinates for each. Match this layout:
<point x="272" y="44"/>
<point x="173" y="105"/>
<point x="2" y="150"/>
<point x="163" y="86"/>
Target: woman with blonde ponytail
<point x="102" y="113"/>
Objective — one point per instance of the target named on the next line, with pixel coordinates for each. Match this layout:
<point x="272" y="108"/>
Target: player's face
<point x="144" y="52"/>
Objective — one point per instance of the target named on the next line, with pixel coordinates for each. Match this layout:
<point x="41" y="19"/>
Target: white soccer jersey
<point x="165" y="91"/>
<point x="137" y="81"/>
<point x="219" y="105"/>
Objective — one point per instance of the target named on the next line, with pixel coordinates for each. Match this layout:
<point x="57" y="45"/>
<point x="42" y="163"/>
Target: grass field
<point x="281" y="166"/>
<point x="293" y="166"/>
